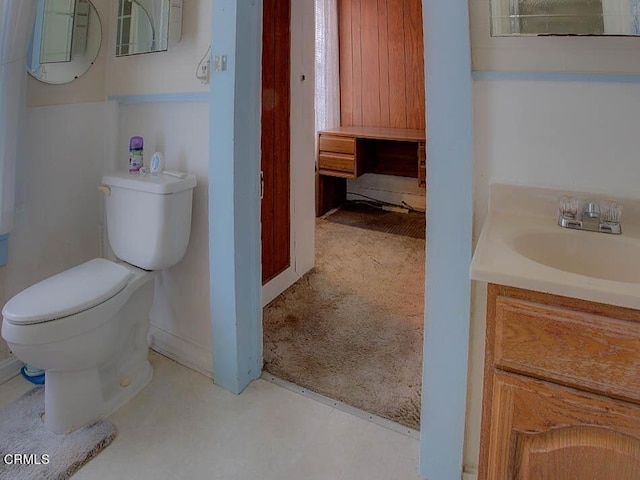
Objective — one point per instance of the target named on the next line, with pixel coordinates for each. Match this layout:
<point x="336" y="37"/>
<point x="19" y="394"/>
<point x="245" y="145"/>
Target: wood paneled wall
<point x="381" y="63"/>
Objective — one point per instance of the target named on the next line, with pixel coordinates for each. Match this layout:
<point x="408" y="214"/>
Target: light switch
<point x="219" y="63"/>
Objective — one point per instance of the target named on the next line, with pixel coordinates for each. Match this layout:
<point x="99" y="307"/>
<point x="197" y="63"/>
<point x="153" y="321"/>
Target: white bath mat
<point x="29" y="451"/>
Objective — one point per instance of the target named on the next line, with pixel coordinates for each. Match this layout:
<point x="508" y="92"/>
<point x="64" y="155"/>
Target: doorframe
<point x="235" y="278"/>
<point x="448" y="86"/>
<point x="234" y="223"/>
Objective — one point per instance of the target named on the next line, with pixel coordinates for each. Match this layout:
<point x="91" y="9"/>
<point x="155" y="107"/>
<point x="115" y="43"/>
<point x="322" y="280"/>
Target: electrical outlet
<point x="204" y="71"/>
<point x="220" y="63"/>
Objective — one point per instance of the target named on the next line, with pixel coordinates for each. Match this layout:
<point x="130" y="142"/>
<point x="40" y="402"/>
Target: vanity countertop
<point x="609" y="265"/>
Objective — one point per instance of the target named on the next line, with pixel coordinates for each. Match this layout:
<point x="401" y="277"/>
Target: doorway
<point x="357" y="309"/>
<point x="449" y="116"/>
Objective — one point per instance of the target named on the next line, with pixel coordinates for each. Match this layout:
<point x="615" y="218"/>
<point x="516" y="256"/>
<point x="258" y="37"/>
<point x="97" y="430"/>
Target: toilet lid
<point x="68" y="292"/>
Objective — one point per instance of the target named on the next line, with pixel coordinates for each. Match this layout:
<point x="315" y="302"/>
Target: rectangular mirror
<point x="565" y="17"/>
<point x="145" y="26"/>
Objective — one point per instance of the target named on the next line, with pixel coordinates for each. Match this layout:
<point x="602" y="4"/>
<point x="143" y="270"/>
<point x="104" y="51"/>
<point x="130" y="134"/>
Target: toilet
<point x="87" y="326"/>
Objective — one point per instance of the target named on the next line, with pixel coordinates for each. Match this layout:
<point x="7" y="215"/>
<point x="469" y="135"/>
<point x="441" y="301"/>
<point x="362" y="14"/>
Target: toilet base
<point x="75" y="399"/>
<point x="79" y="397"/>
<point x="72" y="399"/>
<point x="94" y="360"/>
<point x="126" y="386"/>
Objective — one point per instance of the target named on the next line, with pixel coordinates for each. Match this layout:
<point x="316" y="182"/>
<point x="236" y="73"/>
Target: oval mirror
<point x="65" y="42"/>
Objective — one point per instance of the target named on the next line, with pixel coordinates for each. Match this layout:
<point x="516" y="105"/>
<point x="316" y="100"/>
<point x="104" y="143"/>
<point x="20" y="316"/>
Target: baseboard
<point x="469" y="476"/>
<point x="9" y="368"/>
<point x="279" y="284"/>
<point x="343" y="407"/>
<point x="387" y="188"/>
<point x="183" y="351"/>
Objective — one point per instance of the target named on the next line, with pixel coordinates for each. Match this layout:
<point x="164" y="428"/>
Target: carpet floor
<point x="352" y="328"/>
<point x="22" y="431"/>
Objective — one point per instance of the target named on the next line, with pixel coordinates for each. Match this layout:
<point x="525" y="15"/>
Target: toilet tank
<point x="149" y="217"/>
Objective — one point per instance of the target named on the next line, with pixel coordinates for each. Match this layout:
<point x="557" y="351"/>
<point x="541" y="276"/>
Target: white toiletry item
<point x="156" y="165"/>
<point x="173" y="173"/>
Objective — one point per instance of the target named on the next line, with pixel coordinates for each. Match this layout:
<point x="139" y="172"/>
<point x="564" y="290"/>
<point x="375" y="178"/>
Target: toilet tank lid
<point x="68" y="292"/>
<point x="160" y="184"/>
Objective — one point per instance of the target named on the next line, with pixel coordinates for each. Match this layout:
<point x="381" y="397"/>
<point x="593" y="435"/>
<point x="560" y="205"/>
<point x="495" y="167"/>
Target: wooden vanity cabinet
<point x="561" y="389"/>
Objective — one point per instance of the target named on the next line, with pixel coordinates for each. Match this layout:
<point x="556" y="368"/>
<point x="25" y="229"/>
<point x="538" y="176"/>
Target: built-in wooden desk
<point x="348" y="152"/>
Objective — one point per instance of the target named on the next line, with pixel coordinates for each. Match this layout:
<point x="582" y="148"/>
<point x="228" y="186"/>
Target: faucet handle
<point x="611" y="211"/>
<point x="568" y="206"/>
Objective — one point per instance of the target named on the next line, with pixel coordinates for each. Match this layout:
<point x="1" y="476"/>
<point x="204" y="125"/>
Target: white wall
<point x="61" y="153"/>
<point x="571" y="135"/>
<point x="388" y="188"/>
<point x="163" y="72"/>
<point x="574" y="135"/>
<point x="548" y="54"/>
<point x="58" y="208"/>
<point x="172" y="71"/>
<point x="180" y="319"/>
<point x="66" y="146"/>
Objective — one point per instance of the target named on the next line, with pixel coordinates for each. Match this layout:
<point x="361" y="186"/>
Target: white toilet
<point x="87" y="326"/>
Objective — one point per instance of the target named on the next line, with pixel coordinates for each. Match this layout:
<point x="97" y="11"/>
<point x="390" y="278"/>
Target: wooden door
<point x="542" y="431"/>
<point x="276" y="47"/>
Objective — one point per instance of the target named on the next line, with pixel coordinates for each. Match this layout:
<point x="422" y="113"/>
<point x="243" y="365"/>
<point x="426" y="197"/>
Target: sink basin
<point x="594" y="255"/>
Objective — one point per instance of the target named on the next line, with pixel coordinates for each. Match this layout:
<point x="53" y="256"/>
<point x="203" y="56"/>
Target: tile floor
<point x="184" y="427"/>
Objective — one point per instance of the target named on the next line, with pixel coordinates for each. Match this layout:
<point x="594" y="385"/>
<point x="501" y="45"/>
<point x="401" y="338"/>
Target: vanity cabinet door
<point x="542" y="431"/>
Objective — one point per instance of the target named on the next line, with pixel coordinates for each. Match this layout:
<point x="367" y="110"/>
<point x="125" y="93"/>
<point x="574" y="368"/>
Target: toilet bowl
<point x="91" y="341"/>
<point x="87" y="326"/>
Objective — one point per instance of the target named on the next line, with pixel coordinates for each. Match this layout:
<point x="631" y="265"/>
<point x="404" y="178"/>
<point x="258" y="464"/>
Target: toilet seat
<point x="67" y="293"/>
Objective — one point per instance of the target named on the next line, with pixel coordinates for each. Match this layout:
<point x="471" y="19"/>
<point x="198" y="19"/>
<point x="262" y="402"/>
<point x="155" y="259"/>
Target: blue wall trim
<point x="162" y="97"/>
<point x="449" y="228"/>
<point x="234" y="199"/>
<point x="557" y="76"/>
<point x="4" y="249"/>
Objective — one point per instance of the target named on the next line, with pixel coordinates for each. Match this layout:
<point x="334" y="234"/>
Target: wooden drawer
<point x="337" y="144"/>
<point x="337" y="164"/>
<point x="592" y="352"/>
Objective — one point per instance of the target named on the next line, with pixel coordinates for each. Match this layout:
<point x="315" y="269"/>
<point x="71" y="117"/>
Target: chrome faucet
<point x="595" y="217"/>
<point x="591" y="216"/>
